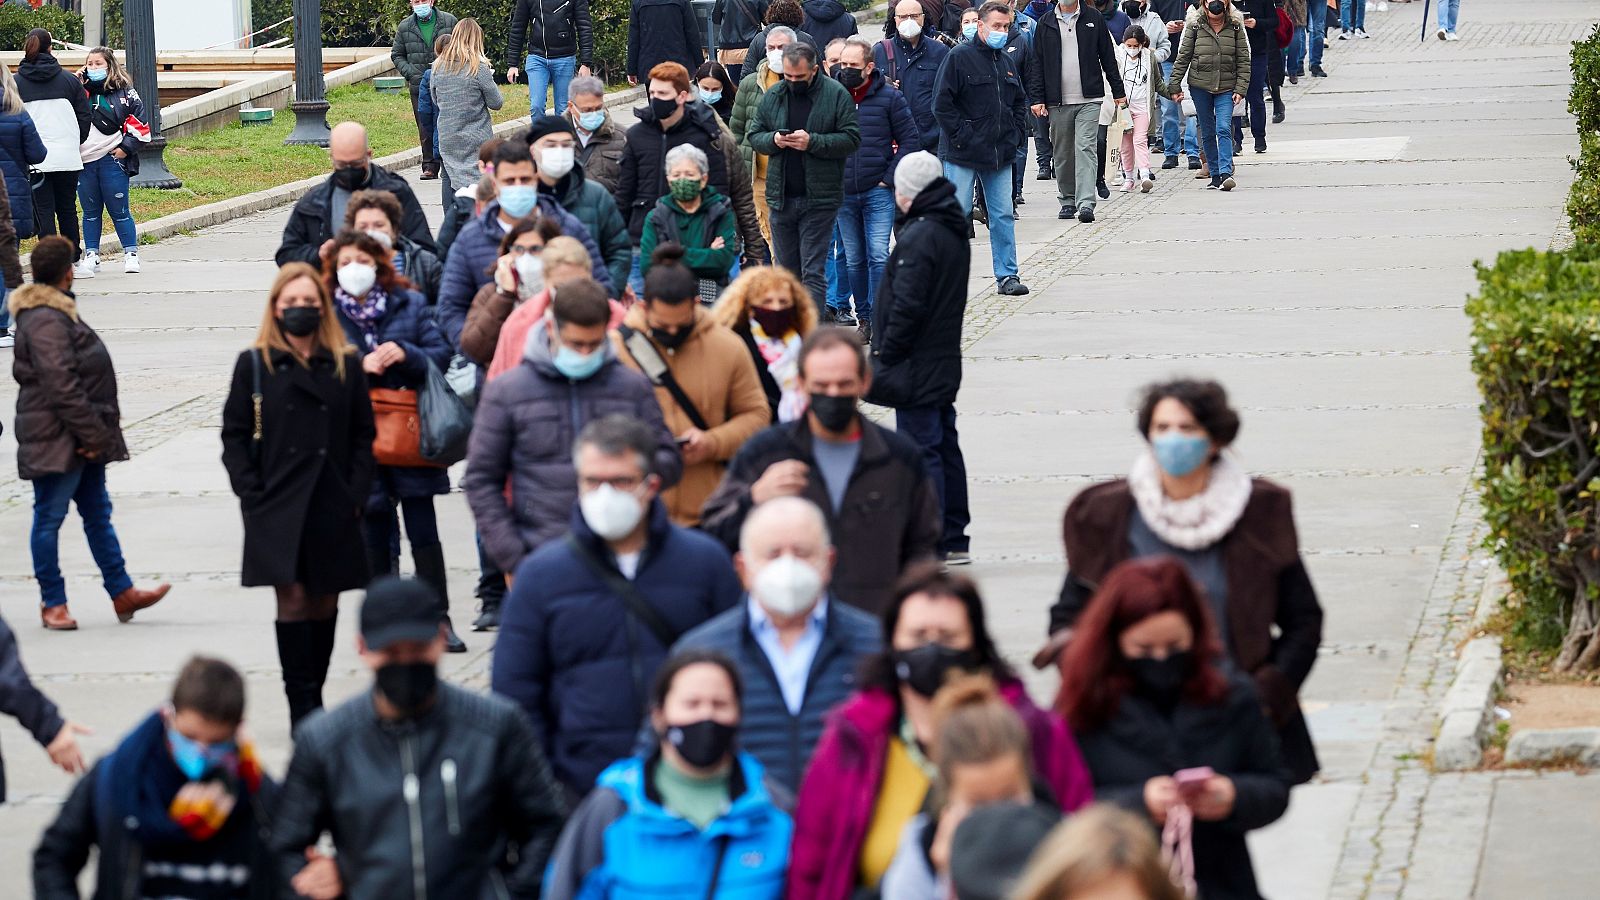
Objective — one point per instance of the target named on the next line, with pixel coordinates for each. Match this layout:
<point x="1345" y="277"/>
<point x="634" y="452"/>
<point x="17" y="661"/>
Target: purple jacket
<point x="837" y="797"/>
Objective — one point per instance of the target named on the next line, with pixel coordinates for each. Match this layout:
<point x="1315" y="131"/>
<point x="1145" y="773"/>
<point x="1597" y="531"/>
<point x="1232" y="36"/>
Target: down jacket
<point x="594" y="206"/>
<point x="412" y="55"/>
<point x="917" y="315"/>
<point x="916" y="69"/>
<point x="1214" y="61"/>
<point x="526" y="422"/>
<point x="553" y="29"/>
<point x="20" y="148"/>
<point x="66" y="386"/>
<point x="888" y="133"/>
<point x="56" y="100"/>
<point x="827" y="20"/>
<point x="573" y="656"/>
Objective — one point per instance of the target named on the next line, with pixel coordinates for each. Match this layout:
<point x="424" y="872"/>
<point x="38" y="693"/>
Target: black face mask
<point x="799" y="88"/>
<point x="352" y="179"/>
<point x="409" y="686"/>
<point x="301" y="321"/>
<point x="702" y="744"/>
<point x="835" y="413"/>
<point x="850" y="78"/>
<point x="671" y="340"/>
<point x="1134" y="10"/>
<point x="1161" y="680"/>
<point x="924" y="669"/>
<point x="663" y="109"/>
<point x="1216" y="7"/>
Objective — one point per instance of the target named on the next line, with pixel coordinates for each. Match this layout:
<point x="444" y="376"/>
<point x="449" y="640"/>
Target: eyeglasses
<point x="624" y="483"/>
<point x="916" y="16"/>
<point x="519" y="250"/>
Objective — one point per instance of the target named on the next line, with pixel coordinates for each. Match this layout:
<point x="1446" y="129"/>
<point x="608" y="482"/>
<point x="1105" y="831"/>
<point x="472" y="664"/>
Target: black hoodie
<point x="827" y="20"/>
<point x="56" y="102"/>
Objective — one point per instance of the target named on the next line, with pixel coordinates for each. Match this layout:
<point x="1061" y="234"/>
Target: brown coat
<point x="67" y="387"/>
<point x="1267" y="586"/>
<point x="601" y="158"/>
<point x="714" y="369"/>
<point x="487" y="315"/>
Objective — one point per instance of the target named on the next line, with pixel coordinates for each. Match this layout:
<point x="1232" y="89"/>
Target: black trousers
<point x="430" y="153"/>
<point x="57" y="201"/>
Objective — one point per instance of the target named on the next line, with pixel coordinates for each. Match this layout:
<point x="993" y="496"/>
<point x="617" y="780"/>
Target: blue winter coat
<point x="470" y="264"/>
<point x="622" y="844"/>
<point x="20" y="147"/>
<point x="782" y="741"/>
<point x="918" y="73"/>
<point x="888" y="133"/>
<point x="572" y="655"/>
<point x="408" y="321"/>
<point x="427" y="113"/>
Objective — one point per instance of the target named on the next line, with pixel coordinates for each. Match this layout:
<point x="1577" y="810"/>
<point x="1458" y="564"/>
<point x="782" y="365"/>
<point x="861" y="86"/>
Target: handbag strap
<point x="255" y="394"/>
<point x="656" y="369"/>
<point x="716" y="867"/>
<point x="625" y="589"/>
<point x="1177" y="847"/>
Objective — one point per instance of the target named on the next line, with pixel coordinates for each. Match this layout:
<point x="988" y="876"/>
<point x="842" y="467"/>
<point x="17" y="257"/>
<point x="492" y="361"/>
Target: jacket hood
<point x="41" y="68"/>
<point x="695" y="113"/>
<point x="537" y="352"/>
<point x="33" y="296"/>
<point x="938" y="203"/>
<point x="823" y="10"/>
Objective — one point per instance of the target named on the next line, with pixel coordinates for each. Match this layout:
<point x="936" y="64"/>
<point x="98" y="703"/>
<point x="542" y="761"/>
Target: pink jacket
<point x="514" y="333"/>
<point x="840" y="789"/>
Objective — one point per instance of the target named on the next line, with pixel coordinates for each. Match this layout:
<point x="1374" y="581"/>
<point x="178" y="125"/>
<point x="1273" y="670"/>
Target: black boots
<point x="491" y="592"/>
<point x="304" y="649"/>
<point x="430" y="570"/>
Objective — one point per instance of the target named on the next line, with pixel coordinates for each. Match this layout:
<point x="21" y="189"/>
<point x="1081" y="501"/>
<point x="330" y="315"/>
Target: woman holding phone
<point x="1165" y="729"/>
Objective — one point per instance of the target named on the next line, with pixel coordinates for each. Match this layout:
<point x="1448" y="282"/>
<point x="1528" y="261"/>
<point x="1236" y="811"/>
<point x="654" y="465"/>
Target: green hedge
<point x="16" y="22"/>
<point x="1536" y="354"/>
<point x="1583" y="199"/>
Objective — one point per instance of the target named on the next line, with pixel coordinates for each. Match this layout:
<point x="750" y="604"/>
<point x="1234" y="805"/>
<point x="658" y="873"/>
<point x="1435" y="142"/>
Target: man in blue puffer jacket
<point x="888" y="133"/>
<point x="20" y="148"/>
<point x="911" y="66"/>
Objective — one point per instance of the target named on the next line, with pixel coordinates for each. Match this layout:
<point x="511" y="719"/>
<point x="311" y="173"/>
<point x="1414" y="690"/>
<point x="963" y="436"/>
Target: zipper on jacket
<point x="447" y="774"/>
<point x="411" y="788"/>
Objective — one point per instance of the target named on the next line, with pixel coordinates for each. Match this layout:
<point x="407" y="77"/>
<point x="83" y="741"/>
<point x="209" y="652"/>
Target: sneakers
<point x="130" y="263"/>
<point x="6" y="340"/>
<point x="1261" y="145"/>
<point x="1171" y="162"/>
<point x="1214" y="183"/>
<point x="1344" y="35"/>
<point x="1101" y="190"/>
<point x="1319" y="72"/>
<point x="88" y="265"/>
<point x="1228" y="183"/>
<point x="1127" y="186"/>
<point x="1147" y="182"/>
<point x="1012" y="286"/>
<point x="1086" y="214"/>
<point x="1442" y="35"/>
<point x="1383" y="6"/>
<point x="958" y="558"/>
<point x="1360" y="34"/>
<point x="1194" y="162"/>
<point x="844" y="317"/>
<point x="1452" y="36"/>
<point x="1017" y="201"/>
<point x="1066" y="212"/>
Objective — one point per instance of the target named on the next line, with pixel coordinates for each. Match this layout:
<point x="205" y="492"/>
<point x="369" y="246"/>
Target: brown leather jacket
<point x="67" y="387"/>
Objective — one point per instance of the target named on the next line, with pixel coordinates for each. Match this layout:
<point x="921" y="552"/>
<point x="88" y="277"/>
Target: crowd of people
<point x="734" y="655"/>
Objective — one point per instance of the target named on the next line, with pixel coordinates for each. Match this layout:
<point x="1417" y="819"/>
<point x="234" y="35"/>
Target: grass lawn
<point x="235" y="160"/>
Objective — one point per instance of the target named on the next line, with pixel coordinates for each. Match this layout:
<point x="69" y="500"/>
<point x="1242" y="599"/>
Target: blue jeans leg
<point x="933" y="429"/>
<point x="1171" y="118"/>
<point x="5" y="311"/>
<point x="85" y="486"/>
<point x="997" y="200"/>
<point x="91" y="197"/>
<point x="544" y="74"/>
<point x="1295" y="60"/>
<point x="852" y="232"/>
<point x="837" y="271"/>
<point x="636" y="277"/>
<point x="114" y="192"/>
<point x="865" y="222"/>
<point x="1316" y="30"/>
<point x="1215" y="112"/>
<point x="1449" y="13"/>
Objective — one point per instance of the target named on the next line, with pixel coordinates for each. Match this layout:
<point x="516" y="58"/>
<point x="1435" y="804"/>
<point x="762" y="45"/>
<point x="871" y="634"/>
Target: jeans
<point x="838" y="273"/>
<point x="103" y="187"/>
<point x="1353" y="14"/>
<point x="1316" y="30"/>
<point x="865" y="223"/>
<point x="1041" y="142"/>
<point x="933" y="429"/>
<point x="997" y="200"/>
<point x="5" y="310"/>
<point x="1215" y="112"/>
<point x="1295" y="60"/>
<point x="85" y="486"/>
<point x="1255" y="100"/>
<point x="1449" y="12"/>
<point x="801" y="237"/>
<point x="1174" y="130"/>
<point x="636" y="277"/>
<point x="1019" y="168"/>
<point x="545" y="73"/>
<point x="1073" y="130"/>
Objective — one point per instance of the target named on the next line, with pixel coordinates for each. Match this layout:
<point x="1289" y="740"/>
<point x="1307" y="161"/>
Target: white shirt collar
<point x="760" y="621"/>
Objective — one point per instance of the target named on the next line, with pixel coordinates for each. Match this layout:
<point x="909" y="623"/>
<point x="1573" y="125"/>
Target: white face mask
<point x="610" y="513"/>
<point x="357" y="278"/>
<point x="530" y="275"/>
<point x="775" y="60"/>
<point x="556" y="161"/>
<point x="787" y="587"/>
<point x="909" y="28"/>
<point x="381" y="237"/>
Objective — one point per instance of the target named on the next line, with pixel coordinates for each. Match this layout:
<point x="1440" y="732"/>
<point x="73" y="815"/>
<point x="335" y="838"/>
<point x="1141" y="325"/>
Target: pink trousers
<point x="1136" y="144"/>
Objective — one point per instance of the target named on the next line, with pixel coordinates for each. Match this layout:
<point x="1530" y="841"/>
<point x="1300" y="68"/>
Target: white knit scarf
<point x="1201" y="520"/>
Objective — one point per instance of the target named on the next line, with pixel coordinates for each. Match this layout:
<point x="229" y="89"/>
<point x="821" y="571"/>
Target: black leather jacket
<point x="553" y="29"/>
<point x="423" y="807"/>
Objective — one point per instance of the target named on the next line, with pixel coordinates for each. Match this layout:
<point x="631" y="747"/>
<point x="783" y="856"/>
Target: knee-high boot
<point x="429" y="560"/>
<point x="298" y="649"/>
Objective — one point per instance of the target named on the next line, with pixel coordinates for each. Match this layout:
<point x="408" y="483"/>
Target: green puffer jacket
<point x="411" y="54"/>
<point x="835" y="135"/>
<point x="744" y="108"/>
<point x="1214" y="61"/>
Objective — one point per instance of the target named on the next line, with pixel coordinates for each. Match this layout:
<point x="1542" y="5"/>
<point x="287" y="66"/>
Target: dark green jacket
<point x="411" y="54"/>
<point x="834" y="137"/>
<point x="696" y="231"/>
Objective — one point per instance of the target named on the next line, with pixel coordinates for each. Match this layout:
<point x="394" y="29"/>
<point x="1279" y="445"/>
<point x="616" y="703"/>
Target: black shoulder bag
<point x="660" y="374"/>
<point x="625" y="589"/>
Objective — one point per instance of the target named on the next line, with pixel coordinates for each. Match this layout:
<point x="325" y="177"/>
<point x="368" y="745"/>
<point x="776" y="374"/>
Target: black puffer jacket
<point x="826" y="20"/>
<point x="981" y="107"/>
<point x="916" y="327"/>
<point x="411" y="54"/>
<point x="644" y="159"/>
<point x="480" y="782"/>
<point x="662" y="31"/>
<point x="553" y="29"/>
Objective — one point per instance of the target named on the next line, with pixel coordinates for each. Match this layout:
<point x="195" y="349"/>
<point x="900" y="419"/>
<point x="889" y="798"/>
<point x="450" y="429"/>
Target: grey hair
<point x="832" y="44"/>
<point x="691" y="153"/>
<point x="860" y="43"/>
<point x="10" y="100"/>
<point x="619" y="435"/>
<point x="800" y="51"/>
<point x="782" y="31"/>
<point x="776" y="507"/>
<point x="587" y="86"/>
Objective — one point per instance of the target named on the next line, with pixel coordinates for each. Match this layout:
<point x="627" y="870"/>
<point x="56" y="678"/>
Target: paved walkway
<point x="1326" y="293"/>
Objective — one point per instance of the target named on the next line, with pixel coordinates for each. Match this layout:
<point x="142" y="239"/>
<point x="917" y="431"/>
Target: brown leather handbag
<point x="399" y="426"/>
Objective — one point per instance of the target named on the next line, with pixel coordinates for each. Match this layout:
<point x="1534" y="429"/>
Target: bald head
<point x="784" y="526"/>
<point x="348" y="145"/>
<point x="909" y="19"/>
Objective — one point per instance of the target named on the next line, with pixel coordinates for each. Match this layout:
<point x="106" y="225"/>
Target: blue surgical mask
<point x="710" y="97"/>
<point x="591" y="121"/>
<point x="996" y="40"/>
<point x="193" y="758"/>
<point x="578" y="366"/>
<point x="518" y="199"/>
<point x="1180" y="454"/>
<point x="423" y="10"/>
<point x="97" y="74"/>
<point x="969" y="30"/>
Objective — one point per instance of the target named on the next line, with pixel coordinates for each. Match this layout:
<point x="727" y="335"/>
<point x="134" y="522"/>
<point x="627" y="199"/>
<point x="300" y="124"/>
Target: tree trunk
<point x="1580" y="649"/>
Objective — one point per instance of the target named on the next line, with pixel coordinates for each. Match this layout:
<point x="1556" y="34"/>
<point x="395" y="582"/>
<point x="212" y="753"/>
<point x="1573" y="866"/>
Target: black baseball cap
<point x="398" y="609"/>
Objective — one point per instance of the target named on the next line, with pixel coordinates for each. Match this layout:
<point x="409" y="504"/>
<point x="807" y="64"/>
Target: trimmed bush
<point x="1585" y="102"/>
<point x="16" y="22"/>
<point x="1583" y="198"/>
<point x="1536" y="354"/>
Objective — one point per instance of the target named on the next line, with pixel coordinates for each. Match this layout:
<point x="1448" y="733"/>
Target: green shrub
<point x="16" y="22"/>
<point x="1585" y="102"/>
<point x="1536" y="354"/>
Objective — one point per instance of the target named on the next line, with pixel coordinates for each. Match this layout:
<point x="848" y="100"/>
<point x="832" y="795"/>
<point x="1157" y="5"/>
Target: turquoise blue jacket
<point x="622" y="844"/>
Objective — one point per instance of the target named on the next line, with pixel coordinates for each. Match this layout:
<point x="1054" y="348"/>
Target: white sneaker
<point x="1361" y="33"/>
<point x="1127" y="186"/>
<point x="6" y="340"/>
<point x="1443" y="35"/>
<point x="1344" y="35"/>
<point x="1382" y="6"/>
<point x="88" y="266"/>
<point x="1147" y="182"/>
<point x="130" y="263"/>
<point x="1452" y="36"/>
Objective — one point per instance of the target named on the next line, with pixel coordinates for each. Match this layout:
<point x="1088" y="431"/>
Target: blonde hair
<point x="117" y="77"/>
<point x="563" y="250"/>
<point x="733" y="307"/>
<point x="972" y="724"/>
<point x="329" y="335"/>
<point x="465" y="53"/>
<point x="10" y="101"/>
<point x="1097" y="843"/>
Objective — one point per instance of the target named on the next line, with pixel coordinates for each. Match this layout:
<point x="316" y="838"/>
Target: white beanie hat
<point x="916" y="172"/>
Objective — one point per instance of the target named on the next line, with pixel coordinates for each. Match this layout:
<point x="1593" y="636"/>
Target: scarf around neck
<point x="143" y="785"/>
<point x="364" y="312"/>
<point x="1201" y="520"/>
<point x="782" y="355"/>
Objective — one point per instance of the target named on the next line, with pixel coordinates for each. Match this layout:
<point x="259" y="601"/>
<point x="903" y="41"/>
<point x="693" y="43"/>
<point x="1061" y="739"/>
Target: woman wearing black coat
<point x="1166" y="732"/>
<point x="297" y="443"/>
<point x="394" y="332"/>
